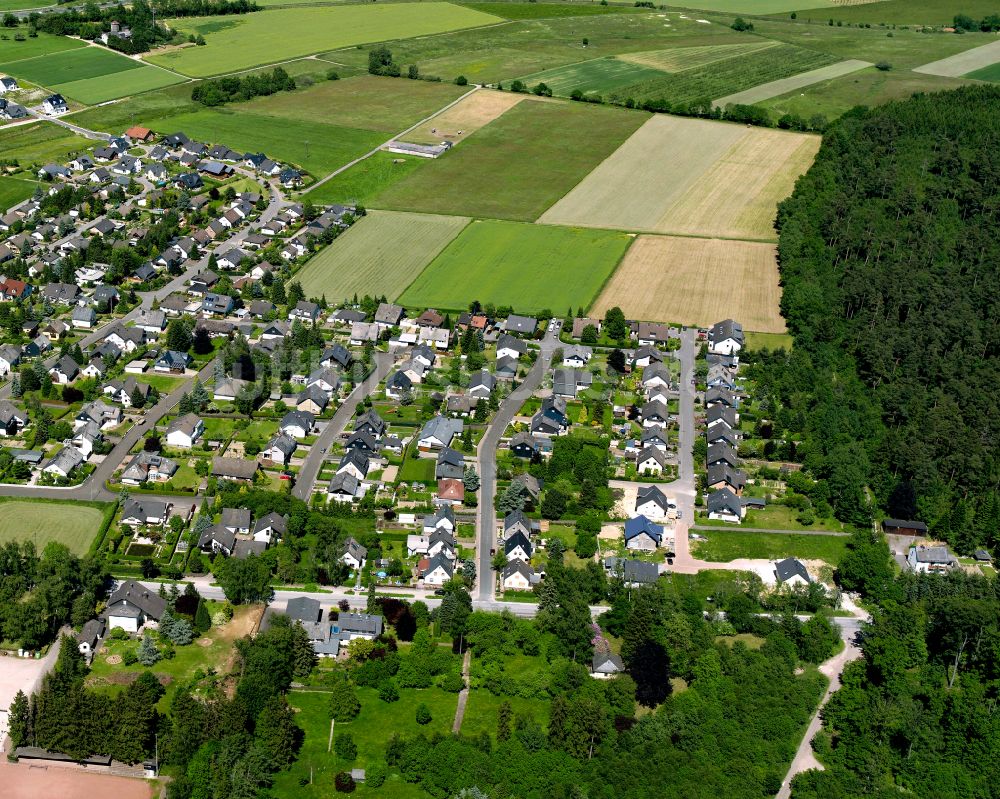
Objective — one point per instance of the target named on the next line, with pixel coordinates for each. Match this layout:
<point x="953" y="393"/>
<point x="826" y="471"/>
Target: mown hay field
<point x="518" y="165"/>
<point x="695" y="281"/>
<point x="597" y="75"/>
<point x="267" y="37"/>
<point x="677" y="59"/>
<point x="381" y="254"/>
<point x="690" y="176"/>
<point x="529" y="267"/>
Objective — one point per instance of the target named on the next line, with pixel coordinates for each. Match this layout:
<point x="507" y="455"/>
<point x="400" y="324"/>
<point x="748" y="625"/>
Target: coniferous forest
<point x="889" y="261"/>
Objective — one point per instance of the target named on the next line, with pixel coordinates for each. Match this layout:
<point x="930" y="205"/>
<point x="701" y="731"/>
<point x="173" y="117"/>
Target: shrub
<point x="345" y="747"/>
<point x="423" y="714"/>
<point x="388" y="692"/>
<point x="883" y="66"/>
<point x="461" y="80"/>
<point x="332" y="75"/>
<point x="344" y="782"/>
<point x="375" y="775"/>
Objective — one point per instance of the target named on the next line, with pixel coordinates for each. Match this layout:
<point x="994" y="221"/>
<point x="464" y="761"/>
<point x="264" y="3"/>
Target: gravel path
<point x="778" y="87"/>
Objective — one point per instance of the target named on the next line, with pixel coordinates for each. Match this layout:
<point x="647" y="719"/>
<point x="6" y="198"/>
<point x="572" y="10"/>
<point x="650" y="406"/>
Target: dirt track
<point x="22" y="781"/>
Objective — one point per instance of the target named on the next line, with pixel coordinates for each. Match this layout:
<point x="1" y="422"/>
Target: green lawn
<point x="143" y="109"/>
<point x="599" y="75"/>
<point x="71" y="523"/>
<point x="771" y="341"/>
<point x="529" y="267"/>
<point x="17" y="5"/>
<point x="483" y="708"/>
<point x="727" y="545"/>
<point x="518" y="165"/>
<point x="239" y="42"/>
<point x="72" y="65"/>
<point x="40" y="143"/>
<point x="416" y="469"/>
<point x="162" y="383"/>
<point x="121" y="84"/>
<point x="13" y="191"/>
<point x="366" y="180"/>
<point x="379" y="255"/>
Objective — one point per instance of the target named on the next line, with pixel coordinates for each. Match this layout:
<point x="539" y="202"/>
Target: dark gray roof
<point x="131" y="593"/>
<point x="364" y="623"/>
<point x="788" y="568"/>
<point x="303" y="608"/>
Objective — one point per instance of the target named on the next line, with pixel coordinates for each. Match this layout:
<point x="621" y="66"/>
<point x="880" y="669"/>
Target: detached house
<point x="642" y="534"/>
<point x="184" y="431"/>
<point x="132" y="605"/>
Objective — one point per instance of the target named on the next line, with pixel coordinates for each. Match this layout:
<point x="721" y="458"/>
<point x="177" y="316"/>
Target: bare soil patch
<point x="466" y="117"/>
<point x="113" y="660"/>
<point x="696" y="281"/>
<point x="21" y="781"/>
<point x="204" y="642"/>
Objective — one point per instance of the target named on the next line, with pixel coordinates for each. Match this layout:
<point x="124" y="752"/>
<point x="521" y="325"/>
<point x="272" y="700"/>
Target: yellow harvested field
<point x="677" y="59"/>
<point x="694" y="281"/>
<point x="738" y="197"/>
<point x="690" y="176"/>
<point x="465" y="117"/>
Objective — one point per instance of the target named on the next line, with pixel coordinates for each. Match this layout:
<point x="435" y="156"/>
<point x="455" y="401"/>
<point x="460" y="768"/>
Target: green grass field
<point x="504" y="52"/>
<point x="45" y="44"/>
<point x="529" y="267"/>
<point x="517" y="166"/>
<point x="381" y="254"/>
<point x="599" y="75"/>
<point x="754" y="6"/>
<point x="319" y="148"/>
<point x="900" y="12"/>
<point x="13" y="191"/>
<point x="990" y="73"/>
<point x="17" y="5"/>
<point x="266" y="37"/>
<point x="366" y="180"/>
<point x="771" y="341"/>
<point x="727" y="545"/>
<point x="89" y="74"/>
<point x="71" y="523"/>
<point x="120" y="84"/>
<point x="549" y="10"/>
<point x="39" y="143"/>
<point x="416" y="469"/>
<point x="728" y="76"/>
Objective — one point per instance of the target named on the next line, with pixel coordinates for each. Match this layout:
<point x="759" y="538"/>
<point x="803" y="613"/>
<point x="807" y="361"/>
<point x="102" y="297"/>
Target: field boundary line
<point x="661" y="233"/>
<point x="767" y="44"/>
<point x="416" y="277"/>
<point x="399" y="135"/>
<point x="775" y="88"/>
<point x="634" y="237"/>
<point x="955" y="66"/>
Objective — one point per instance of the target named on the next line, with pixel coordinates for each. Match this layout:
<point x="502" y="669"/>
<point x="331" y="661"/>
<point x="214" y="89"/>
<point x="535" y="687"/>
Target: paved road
<point x="79" y="131"/>
<point x="487" y="459"/>
<point x="317" y="453"/>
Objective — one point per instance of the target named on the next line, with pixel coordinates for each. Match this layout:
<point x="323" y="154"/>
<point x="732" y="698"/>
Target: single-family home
<point x="726" y="337"/>
<point x="279" y="449"/>
<point x="642" y="534"/>
<point x="148" y="467"/>
<point x="791" y="572"/>
<point x="517" y="547"/>
<point x="132" y="605"/>
<point x="439" y="432"/>
<point x="517" y="575"/>
<point x="725" y="505"/>
<point x="354" y="555"/>
<point x="652" y="503"/>
<point x="930" y="560"/>
<point x="605" y="665"/>
<point x="297" y="424"/>
<point x="438" y="570"/>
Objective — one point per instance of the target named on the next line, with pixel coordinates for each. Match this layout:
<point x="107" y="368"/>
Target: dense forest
<point x="918" y="714"/>
<point x="888" y="256"/>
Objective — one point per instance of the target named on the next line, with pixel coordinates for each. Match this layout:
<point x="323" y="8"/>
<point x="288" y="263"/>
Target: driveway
<point x="486" y="520"/>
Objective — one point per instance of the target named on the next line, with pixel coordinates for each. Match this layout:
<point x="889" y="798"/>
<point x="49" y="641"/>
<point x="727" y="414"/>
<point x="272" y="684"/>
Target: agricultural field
<point x="778" y="87"/>
<point x="599" y="75"/>
<point x="90" y="74"/>
<point x="832" y="98"/>
<point x="899" y="12"/>
<point x="504" y="52"/>
<point x="677" y="59"/>
<point x="984" y="57"/>
<point x="693" y="281"/>
<point x="36" y="144"/>
<point x="728" y="76"/>
<point x="990" y="73"/>
<point x="17" y="5"/>
<point x="71" y="523"/>
<point x="757" y="6"/>
<point x="250" y="40"/>
<point x="13" y="191"/>
<point x="529" y="267"/>
<point x="689" y="176"/>
<point x="44" y="44"/>
<point x="380" y="254"/>
<point x="518" y="165"/>
<point x="466" y="117"/>
<point x="531" y="10"/>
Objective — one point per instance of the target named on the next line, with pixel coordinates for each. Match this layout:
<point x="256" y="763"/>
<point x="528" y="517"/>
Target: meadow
<point x="901" y="12"/>
<point x="13" y="191"/>
<point x="528" y="267"/>
<point x="776" y="88"/>
<point x="726" y="545"/>
<point x="36" y="144"/>
<point x="984" y="57"/>
<point x="504" y="52"/>
<point x="728" y="76"/>
<point x="235" y="43"/>
<point x="598" y="75"/>
<point x="516" y="166"/>
<point x="366" y="180"/>
<point x="89" y="74"/>
<point x="467" y="116"/>
<point x="990" y="73"/>
<point x="380" y="254"/>
<point x="73" y="524"/>
<point x="677" y="59"/>
<point x="531" y="10"/>
<point x="693" y="281"/>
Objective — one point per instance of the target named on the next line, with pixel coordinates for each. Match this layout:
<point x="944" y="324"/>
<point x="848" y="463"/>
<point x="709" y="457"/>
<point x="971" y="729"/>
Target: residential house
<point x="722" y="475"/>
<point x="517" y="576"/>
<point x="524" y="445"/>
<point x="652" y="503"/>
<point x="370" y="422"/>
<point x="184" y="431"/>
<point x="12" y="419"/>
<point x="90" y="636"/>
<point x="651" y="461"/>
<point x="930" y="560"/>
<point x="577" y="356"/>
<point x="791" y="572"/>
<point x="145" y="513"/>
<point x="520" y="325"/>
<point x="297" y="424"/>
<point x="450" y="465"/>
<point x="551" y="418"/>
<point x="344" y="487"/>
<point x="449" y="491"/>
<point x="725" y="505"/>
<point x="279" y="449"/>
<point x="236" y="469"/>
<point x="103" y="415"/>
<point x="172" y="362"/>
<point x="217" y="539"/>
<point x="305" y="311"/>
<point x="632" y="573"/>
<point x="442" y="519"/>
<point x="132" y="605"/>
<point x="439" y="432"/>
<point x="148" y="467"/>
<point x="517" y="547"/>
<point x="354" y="462"/>
<point x="722" y="454"/>
<point x="726" y="338"/>
<point x="354" y="555"/>
<point x="10" y="357"/>
<point x="270" y="528"/>
<point x="605" y="665"/>
<point x="437" y="571"/>
<point x="510" y="347"/>
<point x="65" y="462"/>
<point x="64" y="371"/>
<point x="642" y="534"/>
